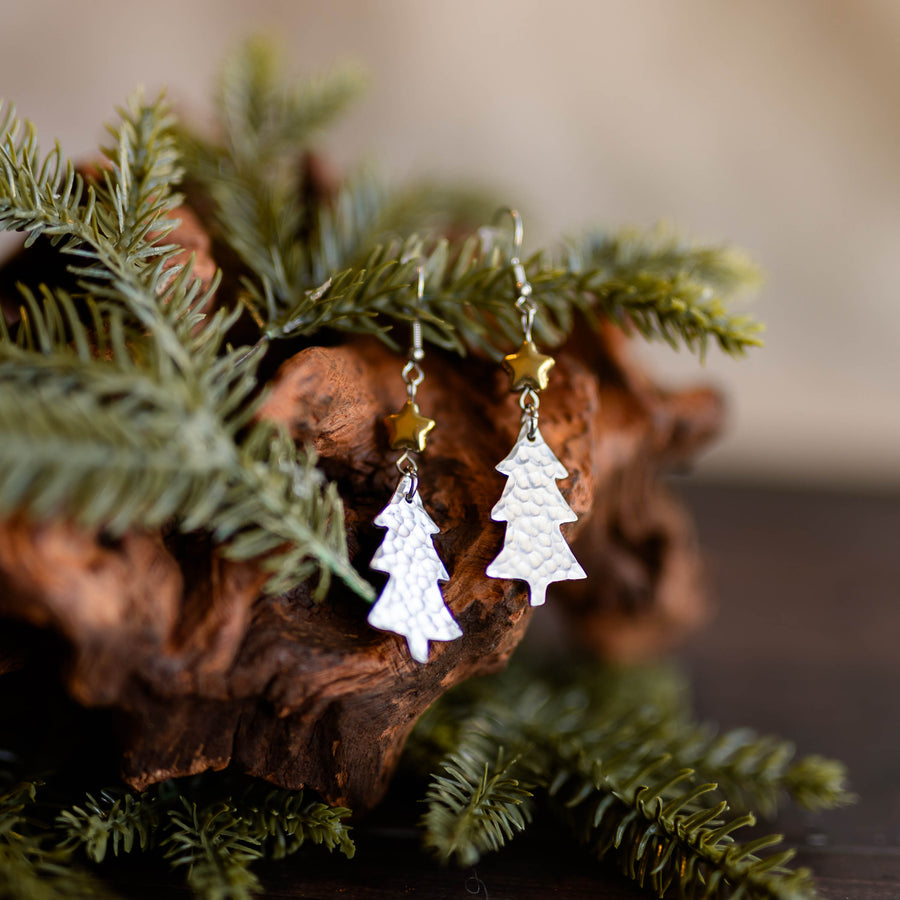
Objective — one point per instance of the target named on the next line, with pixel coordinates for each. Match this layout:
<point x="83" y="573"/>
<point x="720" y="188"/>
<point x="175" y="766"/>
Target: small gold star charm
<point x="407" y="428"/>
<point x="527" y="368"/>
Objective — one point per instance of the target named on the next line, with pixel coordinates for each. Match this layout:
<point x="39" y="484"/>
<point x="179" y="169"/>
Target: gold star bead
<point x="528" y="368"/>
<point x="407" y="428"/>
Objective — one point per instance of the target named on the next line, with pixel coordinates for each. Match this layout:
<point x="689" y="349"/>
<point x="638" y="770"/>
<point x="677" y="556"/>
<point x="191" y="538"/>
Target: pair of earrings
<point x="534" y="550"/>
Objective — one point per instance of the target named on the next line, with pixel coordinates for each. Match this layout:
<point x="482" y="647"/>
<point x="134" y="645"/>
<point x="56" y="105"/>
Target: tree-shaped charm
<point x="534" y="549"/>
<point x="411" y="604"/>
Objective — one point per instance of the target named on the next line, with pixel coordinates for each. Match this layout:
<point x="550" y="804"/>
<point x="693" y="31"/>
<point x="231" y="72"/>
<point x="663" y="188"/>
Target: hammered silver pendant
<point x="411" y="603"/>
<point x="534" y="549"/>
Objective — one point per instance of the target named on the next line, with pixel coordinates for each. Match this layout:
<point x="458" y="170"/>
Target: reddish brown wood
<point x="205" y="671"/>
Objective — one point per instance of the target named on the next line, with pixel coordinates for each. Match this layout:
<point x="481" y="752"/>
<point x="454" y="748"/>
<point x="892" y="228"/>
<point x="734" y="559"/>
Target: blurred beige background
<point x="772" y="124"/>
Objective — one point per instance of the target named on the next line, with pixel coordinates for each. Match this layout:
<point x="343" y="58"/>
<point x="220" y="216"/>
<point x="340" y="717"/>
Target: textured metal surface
<point x="411" y="603"/>
<point x="534" y="549"/>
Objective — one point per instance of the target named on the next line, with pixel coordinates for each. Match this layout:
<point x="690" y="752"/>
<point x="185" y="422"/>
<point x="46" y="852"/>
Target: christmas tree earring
<point x="534" y="549"/>
<point x="411" y="603"/>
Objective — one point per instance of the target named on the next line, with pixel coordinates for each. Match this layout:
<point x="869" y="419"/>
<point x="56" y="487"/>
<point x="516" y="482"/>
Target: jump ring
<point x="408" y="469"/>
<point x="413" y="375"/>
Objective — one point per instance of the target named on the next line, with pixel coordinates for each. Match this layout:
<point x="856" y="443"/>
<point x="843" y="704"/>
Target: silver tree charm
<point x="411" y="603"/>
<point x="534" y="549"/>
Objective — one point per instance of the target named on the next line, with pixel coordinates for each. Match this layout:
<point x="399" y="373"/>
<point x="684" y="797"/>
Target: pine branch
<point x="263" y="118"/>
<point x="117" y="819"/>
<point x="204" y="825"/>
<point x="617" y="751"/>
<point x="307" y="267"/>
<point x="31" y="868"/>
<point x="661" y="252"/>
<point x="816" y="783"/>
<point x="757" y="772"/>
<point x="648" y="711"/>
<point x="64" y="453"/>
<point x="281" y="507"/>
<point x="479" y="802"/>
<point x="661" y="835"/>
<point x="469" y="300"/>
<point x="287" y="821"/>
<point x="154" y="433"/>
<point x="254" y="179"/>
<point x="748" y="771"/>
<point x="212" y="843"/>
<point x="136" y="195"/>
<point x="123" y="462"/>
<point x="291" y="250"/>
<point x="117" y="259"/>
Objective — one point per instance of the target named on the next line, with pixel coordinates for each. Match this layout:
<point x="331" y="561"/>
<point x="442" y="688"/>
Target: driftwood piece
<point x="203" y="671"/>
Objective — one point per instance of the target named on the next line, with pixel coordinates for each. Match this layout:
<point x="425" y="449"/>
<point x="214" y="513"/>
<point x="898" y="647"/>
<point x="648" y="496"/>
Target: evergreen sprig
<point x="469" y="297"/>
<point x="662" y="829"/>
<point x="115" y="820"/>
<point x="618" y="753"/>
<point x="31" y="866"/>
<point x="145" y="417"/>
<point x="480" y="801"/>
<point x="207" y="827"/>
<point x="213" y="845"/>
<point x="264" y="117"/>
<point x="286" y="820"/>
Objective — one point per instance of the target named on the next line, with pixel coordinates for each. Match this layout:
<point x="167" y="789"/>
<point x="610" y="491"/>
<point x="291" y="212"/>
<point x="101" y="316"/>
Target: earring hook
<point x="412" y="371"/>
<point x="416" y="352"/>
<point x="524" y="303"/>
<point x="518" y="230"/>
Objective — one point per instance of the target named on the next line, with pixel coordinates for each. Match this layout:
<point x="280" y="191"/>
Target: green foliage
<point x="285" y="821"/>
<point x="142" y="417"/>
<point x="476" y="805"/>
<point x="661" y="828"/>
<point x="212" y="843"/>
<point x="215" y="840"/>
<point x="816" y="783"/>
<point x="209" y="827"/>
<point x="263" y="118"/>
<point x="123" y="404"/>
<point x="469" y="298"/>
<point x="616" y="752"/>
<point x="117" y="820"/>
<point x="31" y="867"/>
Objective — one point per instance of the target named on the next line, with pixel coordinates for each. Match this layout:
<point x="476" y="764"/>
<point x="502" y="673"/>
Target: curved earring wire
<point x="524" y="303"/>
<point x="518" y="230"/>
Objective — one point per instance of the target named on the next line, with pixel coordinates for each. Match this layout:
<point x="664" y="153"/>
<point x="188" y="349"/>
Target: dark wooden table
<point x="805" y="645"/>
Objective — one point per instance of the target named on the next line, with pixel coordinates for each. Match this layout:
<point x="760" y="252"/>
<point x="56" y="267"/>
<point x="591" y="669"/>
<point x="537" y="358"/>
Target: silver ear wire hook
<point x="518" y="229"/>
<point x="524" y="303"/>
<point x="412" y="371"/>
<point x="416" y="352"/>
